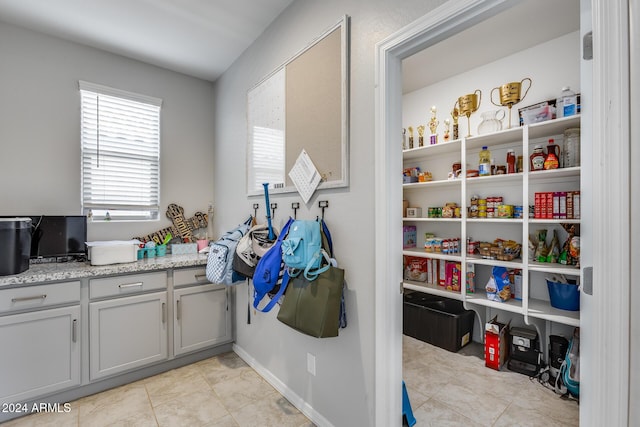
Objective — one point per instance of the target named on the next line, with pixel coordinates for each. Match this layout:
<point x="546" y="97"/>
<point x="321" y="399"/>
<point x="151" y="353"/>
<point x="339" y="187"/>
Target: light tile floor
<point x="220" y="391"/>
<point x="445" y="389"/>
<point x="456" y="389"/>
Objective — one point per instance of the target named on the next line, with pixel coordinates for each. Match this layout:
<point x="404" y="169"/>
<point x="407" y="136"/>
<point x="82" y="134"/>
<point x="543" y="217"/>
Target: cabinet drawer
<point x="126" y="285"/>
<point x="34" y="297"/>
<point x="190" y="276"/>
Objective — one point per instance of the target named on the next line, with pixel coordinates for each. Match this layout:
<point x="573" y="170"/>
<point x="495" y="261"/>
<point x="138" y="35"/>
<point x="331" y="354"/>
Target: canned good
<point x="517" y="211"/>
<point x="505" y="211"/>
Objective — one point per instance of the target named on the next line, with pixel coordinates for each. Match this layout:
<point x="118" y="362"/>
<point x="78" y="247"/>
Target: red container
<point x="496" y="344"/>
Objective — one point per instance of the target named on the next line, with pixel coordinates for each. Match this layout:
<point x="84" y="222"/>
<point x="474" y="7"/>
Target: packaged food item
<point x="471" y="278"/>
<point x="499" y="287"/>
<point x="537" y="159"/>
<point x="415" y="268"/>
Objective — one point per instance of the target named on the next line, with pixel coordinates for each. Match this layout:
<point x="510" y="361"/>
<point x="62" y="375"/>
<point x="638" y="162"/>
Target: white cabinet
<point x="201" y="314"/>
<point x="127" y="332"/>
<point x="515" y="189"/>
<point x="40" y="348"/>
<point x="201" y="317"/>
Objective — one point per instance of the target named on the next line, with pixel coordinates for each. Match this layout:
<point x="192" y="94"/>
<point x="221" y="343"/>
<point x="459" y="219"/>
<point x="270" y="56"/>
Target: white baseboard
<point x="283" y="389"/>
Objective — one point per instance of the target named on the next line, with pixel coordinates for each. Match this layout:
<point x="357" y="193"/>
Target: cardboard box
<point x="184" y="248"/>
<point x="409" y="236"/>
<point x="496" y="344"/>
<point x="414" y="212"/>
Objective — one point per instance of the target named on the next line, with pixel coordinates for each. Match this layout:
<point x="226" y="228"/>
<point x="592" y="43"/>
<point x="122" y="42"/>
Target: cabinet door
<point x="127" y="333"/>
<point x="202" y="317"/>
<point x="40" y="353"/>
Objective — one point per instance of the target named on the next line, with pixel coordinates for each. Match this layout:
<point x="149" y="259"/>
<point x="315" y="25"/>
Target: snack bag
<point x="499" y="287"/>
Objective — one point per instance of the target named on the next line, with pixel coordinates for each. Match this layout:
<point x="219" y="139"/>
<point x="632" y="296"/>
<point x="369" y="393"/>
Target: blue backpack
<point x="302" y="250"/>
<point x="220" y="260"/>
<point x="270" y="272"/>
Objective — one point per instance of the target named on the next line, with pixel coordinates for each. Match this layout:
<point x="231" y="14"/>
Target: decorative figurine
<point x="433" y="126"/>
<point x="421" y="136"/>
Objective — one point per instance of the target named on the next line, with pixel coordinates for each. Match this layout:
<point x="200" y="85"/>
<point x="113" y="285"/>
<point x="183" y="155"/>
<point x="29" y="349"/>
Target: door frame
<point x="605" y="394"/>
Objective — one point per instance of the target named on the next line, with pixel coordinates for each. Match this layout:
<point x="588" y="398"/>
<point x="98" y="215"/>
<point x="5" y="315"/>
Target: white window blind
<point x="120" y="136"/>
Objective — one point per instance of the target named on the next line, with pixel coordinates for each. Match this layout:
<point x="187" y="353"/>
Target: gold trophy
<point x="455" y="115"/>
<point x="447" y="128"/>
<point x="510" y="95"/>
<point x="410" y="129"/>
<point x="420" y="135"/>
<point x="468" y="104"/>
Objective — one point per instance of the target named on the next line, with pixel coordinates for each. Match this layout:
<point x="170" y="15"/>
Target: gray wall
<point x="342" y="390"/>
<point x="40" y="128"/>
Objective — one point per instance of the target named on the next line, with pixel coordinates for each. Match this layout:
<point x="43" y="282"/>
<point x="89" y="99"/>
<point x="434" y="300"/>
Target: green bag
<point x="313" y="308"/>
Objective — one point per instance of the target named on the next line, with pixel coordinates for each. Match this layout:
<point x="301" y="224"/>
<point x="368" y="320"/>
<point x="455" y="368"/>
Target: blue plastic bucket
<point x="564" y="296"/>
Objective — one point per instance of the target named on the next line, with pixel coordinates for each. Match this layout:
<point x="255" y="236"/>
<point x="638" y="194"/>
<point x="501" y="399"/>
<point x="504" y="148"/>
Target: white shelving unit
<point x="516" y="189"/>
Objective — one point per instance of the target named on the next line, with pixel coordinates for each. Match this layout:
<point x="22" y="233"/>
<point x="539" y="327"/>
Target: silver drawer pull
<point x="130" y="285"/>
<point x="21" y="299"/>
<point x="74" y="330"/>
<point x="201" y="277"/>
<point x="164" y="312"/>
<point x="178" y="310"/>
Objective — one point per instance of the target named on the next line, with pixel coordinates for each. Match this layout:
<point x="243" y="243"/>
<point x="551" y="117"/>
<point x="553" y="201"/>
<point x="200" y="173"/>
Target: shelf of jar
<point x="553" y="127"/>
<point x="554" y="268"/>
<point x="573" y="172"/>
<point x="428" y="184"/>
<point x="430" y="150"/>
<point x="515" y="178"/>
<point x="542" y="309"/>
<point x="477" y="259"/>
<point x="480" y="298"/>
<point x="497" y="220"/>
<point x="431" y="288"/>
<point x="422" y="219"/>
<point x="554" y="221"/>
<point x="506" y="136"/>
<point x="433" y="255"/>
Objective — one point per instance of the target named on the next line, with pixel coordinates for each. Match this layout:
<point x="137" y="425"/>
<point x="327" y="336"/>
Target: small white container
<point x="113" y="252"/>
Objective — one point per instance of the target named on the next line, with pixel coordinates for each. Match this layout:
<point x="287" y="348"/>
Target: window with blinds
<point x="120" y="136"/>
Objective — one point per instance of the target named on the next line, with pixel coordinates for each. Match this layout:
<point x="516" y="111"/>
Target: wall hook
<point x="323" y="204"/>
<point x="255" y="210"/>
<point x="295" y="206"/>
<point x="274" y="206"/>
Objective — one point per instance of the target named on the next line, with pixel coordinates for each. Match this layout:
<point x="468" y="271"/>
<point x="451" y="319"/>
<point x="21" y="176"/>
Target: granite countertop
<point x="38" y="273"/>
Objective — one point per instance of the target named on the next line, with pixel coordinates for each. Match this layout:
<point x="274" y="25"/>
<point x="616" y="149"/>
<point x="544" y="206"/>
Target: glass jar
<point x="571" y="148"/>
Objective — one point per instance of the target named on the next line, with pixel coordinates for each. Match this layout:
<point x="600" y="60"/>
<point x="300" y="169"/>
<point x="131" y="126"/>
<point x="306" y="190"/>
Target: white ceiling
<point x="520" y="27"/>
<point x="201" y="38"/>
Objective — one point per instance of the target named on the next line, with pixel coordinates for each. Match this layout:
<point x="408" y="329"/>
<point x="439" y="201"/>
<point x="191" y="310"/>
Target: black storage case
<point x="440" y="321"/>
<point x="15" y="245"/>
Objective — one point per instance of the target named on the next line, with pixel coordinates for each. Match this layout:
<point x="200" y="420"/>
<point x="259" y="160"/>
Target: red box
<point x="496" y="344"/>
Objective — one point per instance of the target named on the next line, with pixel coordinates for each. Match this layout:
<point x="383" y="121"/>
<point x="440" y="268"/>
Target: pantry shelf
<point x="543" y="310"/>
<point x="433" y="255"/>
<point x="432" y="289"/>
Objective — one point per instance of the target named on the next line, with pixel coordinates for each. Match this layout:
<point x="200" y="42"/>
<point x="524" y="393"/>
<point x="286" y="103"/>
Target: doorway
<point x="444" y="22"/>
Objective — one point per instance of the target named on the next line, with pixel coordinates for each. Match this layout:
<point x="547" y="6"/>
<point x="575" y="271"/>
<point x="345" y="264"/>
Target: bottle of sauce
<point x="537" y="159"/>
<point x="511" y="161"/>
<point x="484" y="164"/>
<point x="553" y="156"/>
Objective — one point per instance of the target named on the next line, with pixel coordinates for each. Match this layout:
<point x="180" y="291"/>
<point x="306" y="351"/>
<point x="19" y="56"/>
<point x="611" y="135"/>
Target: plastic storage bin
<point x="565" y="296"/>
<point x="440" y="321"/>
